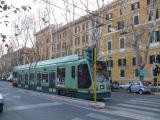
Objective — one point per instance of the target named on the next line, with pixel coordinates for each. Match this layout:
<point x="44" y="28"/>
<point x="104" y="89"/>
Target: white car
<point x="1" y="103"/>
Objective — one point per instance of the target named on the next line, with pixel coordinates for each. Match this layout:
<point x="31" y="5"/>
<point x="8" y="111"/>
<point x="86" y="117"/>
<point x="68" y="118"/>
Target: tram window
<point x="15" y="74"/>
<point x="61" y="75"/>
<point x="45" y="78"/>
<point x="26" y="77"/>
<point x="31" y="76"/>
<point x="52" y="77"/>
<point x="39" y="77"/>
<point x="73" y="72"/>
<point x="84" y="78"/>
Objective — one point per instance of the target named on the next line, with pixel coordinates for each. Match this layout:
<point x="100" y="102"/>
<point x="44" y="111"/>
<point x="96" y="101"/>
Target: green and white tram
<point x="70" y="76"/>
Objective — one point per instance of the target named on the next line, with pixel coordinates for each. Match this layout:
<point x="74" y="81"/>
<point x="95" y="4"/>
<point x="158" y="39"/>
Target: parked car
<point x="140" y="87"/>
<point x="4" y="79"/>
<point x="1" y="103"/>
<point x="124" y="86"/>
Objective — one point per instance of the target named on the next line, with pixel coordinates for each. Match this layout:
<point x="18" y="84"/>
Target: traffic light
<point x="89" y="54"/>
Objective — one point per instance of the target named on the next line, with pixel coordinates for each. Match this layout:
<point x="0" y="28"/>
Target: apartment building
<point x="44" y="43"/>
<point x="121" y="19"/>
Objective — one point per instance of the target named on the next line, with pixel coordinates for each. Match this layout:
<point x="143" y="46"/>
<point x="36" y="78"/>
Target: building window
<point x="155" y="37"/>
<point x="110" y="63"/>
<point x="149" y="2"/>
<point x="121" y="11"/>
<point x="109" y="45"/>
<point x="110" y="28"/>
<point x="109" y="16"/>
<point x="155" y="59"/>
<point x="134" y="61"/>
<point x="121" y="24"/>
<point x="135" y="20"/>
<point x="121" y="62"/>
<point x="75" y="29"/>
<point x="122" y="73"/>
<point x="121" y="43"/>
<point x="135" y="6"/>
<point x="151" y="15"/>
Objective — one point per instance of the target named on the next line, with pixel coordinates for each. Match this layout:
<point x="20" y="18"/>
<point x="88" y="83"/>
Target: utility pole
<point x="95" y="70"/>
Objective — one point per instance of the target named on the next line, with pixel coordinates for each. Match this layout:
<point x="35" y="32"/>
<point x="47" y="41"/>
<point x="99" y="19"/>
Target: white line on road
<point x="17" y="96"/>
<point x="99" y="117"/>
<point x="15" y="108"/>
<point x="140" y="103"/>
<point x="149" y="100"/>
<point x="139" y="107"/>
<point x="76" y="119"/>
<point x="129" y="115"/>
<point x="135" y="111"/>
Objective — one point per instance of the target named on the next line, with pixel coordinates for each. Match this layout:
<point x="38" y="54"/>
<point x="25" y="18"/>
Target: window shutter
<point x="134" y="61"/>
<point x="119" y="62"/>
<point x="132" y="7"/>
<point x="124" y="62"/>
<point x="111" y="63"/>
<point x="151" y="60"/>
<point x="158" y="58"/>
<point x="158" y="36"/>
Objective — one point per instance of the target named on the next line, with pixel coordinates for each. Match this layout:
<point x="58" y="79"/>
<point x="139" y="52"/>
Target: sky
<point x="57" y="11"/>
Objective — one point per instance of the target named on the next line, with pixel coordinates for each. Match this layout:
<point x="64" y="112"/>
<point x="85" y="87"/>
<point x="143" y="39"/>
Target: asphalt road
<point x="27" y="105"/>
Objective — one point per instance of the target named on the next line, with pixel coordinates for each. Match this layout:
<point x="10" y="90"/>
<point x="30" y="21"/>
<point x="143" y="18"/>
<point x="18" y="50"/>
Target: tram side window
<point x="26" y="78"/>
<point x="45" y="78"/>
<point x="31" y="77"/>
<point x="39" y="78"/>
<point x="61" y="75"/>
<point x="52" y="79"/>
<point x="19" y="77"/>
<point x="15" y="74"/>
<point x="84" y="78"/>
<point x="73" y="71"/>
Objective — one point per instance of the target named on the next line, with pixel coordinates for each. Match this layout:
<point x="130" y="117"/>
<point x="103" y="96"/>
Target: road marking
<point x="148" y="102"/>
<point x="17" y="96"/>
<point x="139" y="107"/>
<point x="15" y="108"/>
<point x="76" y="119"/>
<point x="129" y="115"/>
<point x="99" y="117"/>
<point x="5" y="94"/>
<point x="135" y="111"/>
<point x="140" y="103"/>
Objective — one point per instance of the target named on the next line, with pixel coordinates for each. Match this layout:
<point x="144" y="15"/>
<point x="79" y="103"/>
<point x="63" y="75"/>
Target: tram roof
<point x="69" y="58"/>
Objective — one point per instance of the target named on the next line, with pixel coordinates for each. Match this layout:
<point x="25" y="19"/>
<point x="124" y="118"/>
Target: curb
<point x="69" y="100"/>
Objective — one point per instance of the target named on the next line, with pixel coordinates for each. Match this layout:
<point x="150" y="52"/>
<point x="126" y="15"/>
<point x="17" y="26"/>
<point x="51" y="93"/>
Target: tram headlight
<point x="101" y="86"/>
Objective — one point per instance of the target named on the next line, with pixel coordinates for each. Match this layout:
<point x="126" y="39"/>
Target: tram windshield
<point x="101" y="71"/>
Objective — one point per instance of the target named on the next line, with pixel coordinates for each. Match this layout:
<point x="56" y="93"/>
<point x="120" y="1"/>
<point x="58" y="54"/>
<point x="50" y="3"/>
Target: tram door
<point x="84" y="78"/>
<point x="39" y="78"/>
<point x="52" y="77"/>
